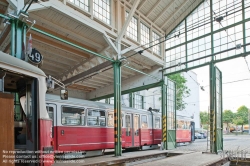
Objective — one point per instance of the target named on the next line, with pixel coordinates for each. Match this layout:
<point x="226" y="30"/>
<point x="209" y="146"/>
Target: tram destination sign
<point x="35" y="56"/>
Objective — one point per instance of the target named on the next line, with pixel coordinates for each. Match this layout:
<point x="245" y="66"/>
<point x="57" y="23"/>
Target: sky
<point x="235" y="92"/>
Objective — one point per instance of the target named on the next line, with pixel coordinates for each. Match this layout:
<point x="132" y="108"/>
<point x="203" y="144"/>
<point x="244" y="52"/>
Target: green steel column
<point x="19" y="39"/>
<point x="175" y="106"/>
<point x="215" y="108"/>
<point x="164" y="114"/>
<point x="221" y="104"/>
<point x="117" y="107"/>
<point x="24" y="42"/>
<point x="244" y="25"/>
<point x="186" y="52"/>
<point x="211" y="77"/>
<point x="131" y="99"/>
<point x="13" y="37"/>
<point x="212" y="109"/>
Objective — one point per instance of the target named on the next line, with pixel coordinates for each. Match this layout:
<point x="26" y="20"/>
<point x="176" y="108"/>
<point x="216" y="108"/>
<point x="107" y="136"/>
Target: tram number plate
<point x="35" y="56"/>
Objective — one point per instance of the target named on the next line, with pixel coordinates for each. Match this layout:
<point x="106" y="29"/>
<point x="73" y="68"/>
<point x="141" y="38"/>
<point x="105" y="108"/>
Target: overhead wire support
<point x="142" y="72"/>
<point x="71" y="44"/>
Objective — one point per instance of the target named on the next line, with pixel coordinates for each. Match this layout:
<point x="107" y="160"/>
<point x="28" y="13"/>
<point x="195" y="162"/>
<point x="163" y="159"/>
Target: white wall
<point x="193" y="106"/>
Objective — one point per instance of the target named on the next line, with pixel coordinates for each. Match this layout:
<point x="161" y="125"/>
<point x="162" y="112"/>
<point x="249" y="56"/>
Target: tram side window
<point x="110" y="119"/>
<point x="50" y="112"/>
<point x="73" y="116"/>
<point x="144" y="122"/>
<point x="127" y="117"/>
<point x="96" y="117"/>
<point x="157" y="122"/>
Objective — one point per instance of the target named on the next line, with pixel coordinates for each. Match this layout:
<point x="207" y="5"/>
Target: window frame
<point x="105" y="117"/>
<point x="80" y="115"/>
<point x="159" y="122"/>
<point x="142" y="121"/>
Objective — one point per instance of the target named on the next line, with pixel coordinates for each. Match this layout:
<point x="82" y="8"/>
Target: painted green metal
<point x="218" y="110"/>
<point x="215" y="110"/>
<point x="184" y="18"/>
<point x="19" y="38"/>
<point x="171" y="132"/>
<point x="117" y="107"/>
<point x="212" y="84"/>
<point x="157" y="84"/>
<point x="71" y="44"/>
<point x="208" y="34"/>
<point x="221" y="99"/>
<point x="175" y="105"/>
<point x="107" y="100"/>
<point x="142" y="102"/>
<point x="212" y="109"/>
<point x="142" y="72"/>
<point x="212" y="28"/>
<point x="244" y="25"/>
<point x="186" y="52"/>
<point x="190" y="68"/>
<point x="13" y="37"/>
<point x="5" y="17"/>
<point x="131" y="100"/>
<point x="24" y="40"/>
<point x="164" y="113"/>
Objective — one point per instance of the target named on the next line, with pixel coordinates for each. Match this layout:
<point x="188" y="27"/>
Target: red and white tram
<point x="44" y="127"/>
<point x="25" y="84"/>
<point x="185" y="129"/>
<point x="80" y="125"/>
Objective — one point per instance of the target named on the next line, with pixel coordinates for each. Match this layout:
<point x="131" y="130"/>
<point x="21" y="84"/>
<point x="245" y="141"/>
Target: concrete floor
<point x="191" y="154"/>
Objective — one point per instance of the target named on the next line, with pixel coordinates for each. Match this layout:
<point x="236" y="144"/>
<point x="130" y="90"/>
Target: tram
<point x="87" y="126"/>
<point x="185" y="129"/>
<point x="54" y="126"/>
<point x="30" y="133"/>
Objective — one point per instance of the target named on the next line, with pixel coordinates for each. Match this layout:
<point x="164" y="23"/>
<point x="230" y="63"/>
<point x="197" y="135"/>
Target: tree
<point x="204" y="117"/>
<point x="241" y="116"/>
<point x="228" y="116"/>
<point x="182" y="90"/>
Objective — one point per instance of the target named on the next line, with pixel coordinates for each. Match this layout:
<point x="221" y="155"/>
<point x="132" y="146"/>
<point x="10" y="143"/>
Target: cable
<point x="247" y="64"/>
<point x="202" y="88"/>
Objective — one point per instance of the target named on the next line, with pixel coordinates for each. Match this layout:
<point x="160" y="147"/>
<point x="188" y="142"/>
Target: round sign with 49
<point x="35" y="56"/>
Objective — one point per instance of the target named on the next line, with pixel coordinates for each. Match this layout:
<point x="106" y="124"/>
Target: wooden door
<point x="6" y="128"/>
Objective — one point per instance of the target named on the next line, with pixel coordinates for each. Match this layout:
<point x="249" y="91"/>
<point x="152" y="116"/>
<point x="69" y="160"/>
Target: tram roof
<point x="88" y="103"/>
<point x="18" y="63"/>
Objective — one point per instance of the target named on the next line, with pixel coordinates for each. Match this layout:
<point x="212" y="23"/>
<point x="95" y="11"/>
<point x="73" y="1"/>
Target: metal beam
<point x="90" y="72"/>
<point x="128" y="19"/>
<point x="108" y="40"/>
<point x="55" y="52"/>
<point x="65" y="47"/>
<point x="117" y="108"/>
<point x="140" y="88"/>
<point x="164" y="113"/>
<point x="142" y="72"/>
<point x="71" y="44"/>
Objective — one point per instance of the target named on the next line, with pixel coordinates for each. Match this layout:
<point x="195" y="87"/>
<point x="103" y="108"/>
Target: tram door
<point x="132" y="130"/>
<point x="136" y="127"/>
<point x="51" y="108"/>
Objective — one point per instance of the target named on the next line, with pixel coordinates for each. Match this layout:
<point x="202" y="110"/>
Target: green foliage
<point x="204" y="117"/>
<point x="242" y="115"/>
<point x="228" y="116"/>
<point x="238" y="121"/>
<point x="182" y="90"/>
